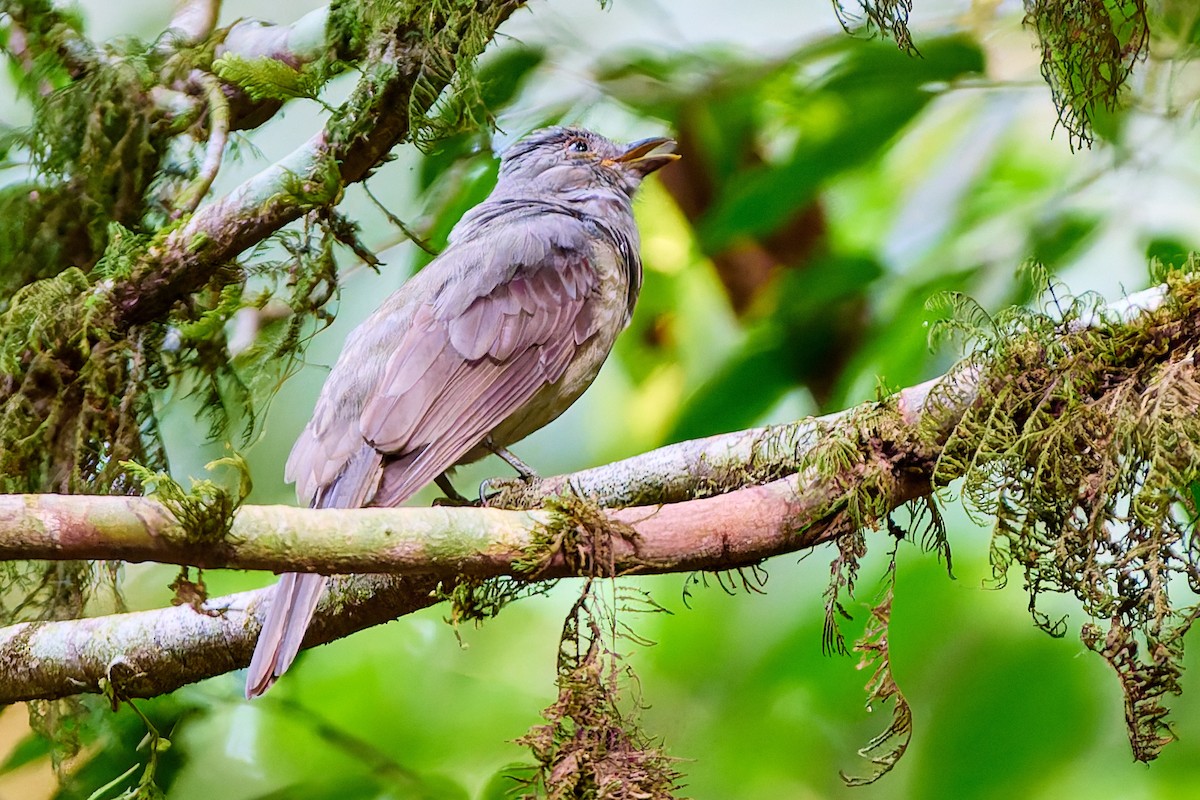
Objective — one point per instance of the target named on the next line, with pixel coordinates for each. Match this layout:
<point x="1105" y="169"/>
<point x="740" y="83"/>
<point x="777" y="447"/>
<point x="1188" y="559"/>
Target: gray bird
<point x="492" y="340"/>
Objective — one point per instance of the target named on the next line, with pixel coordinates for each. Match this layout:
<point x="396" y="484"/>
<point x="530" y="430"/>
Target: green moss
<point x="204" y="512"/>
<point x="1089" y="48"/>
<point x="1083" y="447"/>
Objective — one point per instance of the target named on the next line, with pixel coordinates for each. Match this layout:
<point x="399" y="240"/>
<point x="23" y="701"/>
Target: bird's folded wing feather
<point x="472" y="354"/>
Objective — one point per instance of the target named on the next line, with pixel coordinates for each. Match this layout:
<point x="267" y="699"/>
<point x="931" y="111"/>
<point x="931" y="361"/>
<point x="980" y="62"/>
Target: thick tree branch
<point x="147" y="653"/>
<point x="142" y="652"/>
<point x="730" y="530"/>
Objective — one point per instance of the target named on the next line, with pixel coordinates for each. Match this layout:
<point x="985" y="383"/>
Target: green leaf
<point x="1054" y="242"/>
<point x="723" y="403"/>
<point x="815" y="308"/>
<point x="1169" y="252"/>
<point x="470" y="186"/>
<point x="29" y="749"/>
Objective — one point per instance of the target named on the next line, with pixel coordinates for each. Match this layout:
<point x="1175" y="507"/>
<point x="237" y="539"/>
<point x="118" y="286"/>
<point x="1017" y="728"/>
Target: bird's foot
<point x="452" y="498"/>
<point x="524" y="470"/>
<point x="486" y="492"/>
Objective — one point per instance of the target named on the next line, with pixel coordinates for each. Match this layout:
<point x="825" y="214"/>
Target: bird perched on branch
<point x="492" y="340"/>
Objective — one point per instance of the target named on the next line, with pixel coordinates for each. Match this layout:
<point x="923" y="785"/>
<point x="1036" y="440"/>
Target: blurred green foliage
<point x="830" y="186"/>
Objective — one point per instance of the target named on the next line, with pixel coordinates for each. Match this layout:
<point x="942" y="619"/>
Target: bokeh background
<point x="830" y="186"/>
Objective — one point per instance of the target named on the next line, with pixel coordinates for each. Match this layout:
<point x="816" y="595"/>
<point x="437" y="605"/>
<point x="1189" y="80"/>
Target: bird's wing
<point x="464" y="367"/>
<point x="477" y="347"/>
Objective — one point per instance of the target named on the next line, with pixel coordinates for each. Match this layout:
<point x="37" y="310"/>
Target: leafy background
<point x="830" y="186"/>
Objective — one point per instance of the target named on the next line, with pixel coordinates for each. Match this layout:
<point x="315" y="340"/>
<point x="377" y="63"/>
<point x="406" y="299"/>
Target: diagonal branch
<point x="377" y="116"/>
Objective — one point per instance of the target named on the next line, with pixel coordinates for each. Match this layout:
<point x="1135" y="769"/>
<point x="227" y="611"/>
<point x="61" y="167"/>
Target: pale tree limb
<point x="153" y="652"/>
<point x="295" y="44"/>
<point x="148" y="653"/>
<point x="729" y="530"/>
<point x="194" y="20"/>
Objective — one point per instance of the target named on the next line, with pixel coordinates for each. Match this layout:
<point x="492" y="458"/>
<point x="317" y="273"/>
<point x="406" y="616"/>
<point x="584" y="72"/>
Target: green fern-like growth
<point x="1083" y="445"/>
<point x="269" y="78"/>
<point x="1089" y="49"/>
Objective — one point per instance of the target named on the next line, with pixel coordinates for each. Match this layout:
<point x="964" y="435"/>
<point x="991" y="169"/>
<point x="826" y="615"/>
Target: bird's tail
<point x="294" y="598"/>
<point x="292" y="605"/>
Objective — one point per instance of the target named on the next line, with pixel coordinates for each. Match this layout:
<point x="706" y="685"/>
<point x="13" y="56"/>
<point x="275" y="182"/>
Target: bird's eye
<point x="577" y="146"/>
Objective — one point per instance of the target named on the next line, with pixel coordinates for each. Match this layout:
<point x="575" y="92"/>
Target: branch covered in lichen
<point x="409" y="68"/>
<point x="738" y="528"/>
<point x="113" y="288"/>
<point x="1083" y="446"/>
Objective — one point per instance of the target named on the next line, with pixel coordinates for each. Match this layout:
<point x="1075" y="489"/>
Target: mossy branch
<point x="383" y="110"/>
<point x="899" y="444"/>
<point x="431" y="547"/>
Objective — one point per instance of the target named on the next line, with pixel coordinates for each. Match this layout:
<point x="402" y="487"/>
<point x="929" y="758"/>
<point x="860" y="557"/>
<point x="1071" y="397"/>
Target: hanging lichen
<point x="886" y="17"/>
<point x="1083" y="445"/>
<point x="885" y="749"/>
<point x="1089" y="48"/>
<point x="591" y="745"/>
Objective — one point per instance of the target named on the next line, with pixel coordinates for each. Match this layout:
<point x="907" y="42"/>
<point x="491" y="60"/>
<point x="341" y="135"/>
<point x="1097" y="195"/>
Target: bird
<point x="496" y="337"/>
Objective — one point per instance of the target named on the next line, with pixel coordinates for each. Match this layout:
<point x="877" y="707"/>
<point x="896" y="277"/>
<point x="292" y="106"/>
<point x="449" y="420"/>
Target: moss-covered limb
<point x="441" y="541"/>
<point x="729" y="530"/>
<point x="410" y="67"/>
<point x="702" y="467"/>
<point x="77" y="372"/>
<point x="307" y="41"/>
<point x="1083" y="445"/>
<point x="158" y="651"/>
<point x="47" y="42"/>
<point x="149" y="653"/>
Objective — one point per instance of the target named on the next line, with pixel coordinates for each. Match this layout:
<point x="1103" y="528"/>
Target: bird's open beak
<point x="640" y="155"/>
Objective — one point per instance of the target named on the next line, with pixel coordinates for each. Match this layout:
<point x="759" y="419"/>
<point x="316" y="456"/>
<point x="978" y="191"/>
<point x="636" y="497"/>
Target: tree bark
<point x="736" y="517"/>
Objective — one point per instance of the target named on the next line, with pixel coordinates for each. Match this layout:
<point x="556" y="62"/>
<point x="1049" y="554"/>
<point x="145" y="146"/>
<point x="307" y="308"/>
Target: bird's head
<point x="562" y="160"/>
